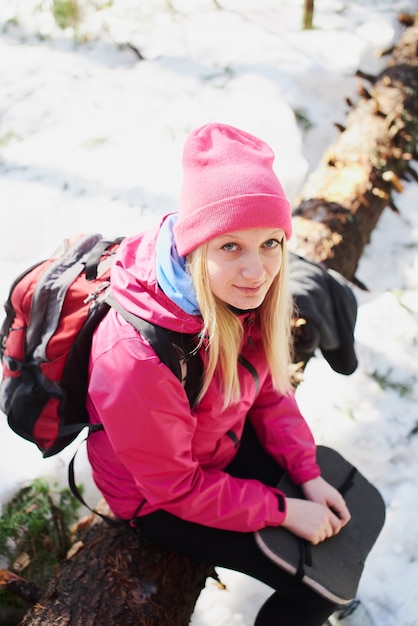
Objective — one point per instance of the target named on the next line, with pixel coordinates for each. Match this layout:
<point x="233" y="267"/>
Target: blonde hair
<point x="223" y="332"/>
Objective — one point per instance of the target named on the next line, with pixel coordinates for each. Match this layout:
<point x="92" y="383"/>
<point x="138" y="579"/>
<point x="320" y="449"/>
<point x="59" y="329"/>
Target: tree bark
<point x="116" y="578"/>
<point x="357" y="176"/>
<point x="308" y="12"/>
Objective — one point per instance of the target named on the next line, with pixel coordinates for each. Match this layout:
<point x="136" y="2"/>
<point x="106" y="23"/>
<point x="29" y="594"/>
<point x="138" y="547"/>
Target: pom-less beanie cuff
<point x="220" y="217"/>
<point x="228" y="185"/>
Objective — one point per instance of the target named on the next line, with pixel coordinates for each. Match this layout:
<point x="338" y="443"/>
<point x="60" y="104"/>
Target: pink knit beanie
<point x="228" y="184"/>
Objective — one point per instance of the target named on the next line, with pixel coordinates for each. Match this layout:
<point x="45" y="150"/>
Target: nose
<point x="252" y="268"/>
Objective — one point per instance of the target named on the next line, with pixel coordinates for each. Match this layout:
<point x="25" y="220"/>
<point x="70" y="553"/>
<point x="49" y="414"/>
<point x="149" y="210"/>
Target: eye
<point x="271" y="243"/>
<point x="230" y="247"/>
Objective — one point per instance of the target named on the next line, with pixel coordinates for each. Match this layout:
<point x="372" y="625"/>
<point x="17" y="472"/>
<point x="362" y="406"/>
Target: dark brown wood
<point x="115" y="577"/>
<point x="20" y="587"/>
<point x="344" y="197"/>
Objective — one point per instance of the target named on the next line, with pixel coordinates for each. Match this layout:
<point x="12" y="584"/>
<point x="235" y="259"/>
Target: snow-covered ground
<point x="91" y="139"/>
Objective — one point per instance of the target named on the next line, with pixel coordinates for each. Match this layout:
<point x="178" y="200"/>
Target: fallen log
<point x="344" y="197"/>
<point x="114" y="576"/>
<point x="358" y="175"/>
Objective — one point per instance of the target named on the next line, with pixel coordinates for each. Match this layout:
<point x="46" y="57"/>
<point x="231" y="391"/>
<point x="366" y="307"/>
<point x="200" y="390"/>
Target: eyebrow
<point x="275" y="233"/>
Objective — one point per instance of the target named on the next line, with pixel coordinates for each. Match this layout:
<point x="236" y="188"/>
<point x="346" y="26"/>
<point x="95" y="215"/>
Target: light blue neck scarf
<point x="172" y="275"/>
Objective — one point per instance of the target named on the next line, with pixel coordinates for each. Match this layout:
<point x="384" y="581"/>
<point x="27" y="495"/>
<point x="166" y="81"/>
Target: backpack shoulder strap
<point x="171" y="347"/>
<point x="50" y="291"/>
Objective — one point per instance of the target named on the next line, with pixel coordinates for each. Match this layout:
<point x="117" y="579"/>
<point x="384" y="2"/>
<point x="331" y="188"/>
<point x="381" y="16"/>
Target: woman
<point x="200" y="481"/>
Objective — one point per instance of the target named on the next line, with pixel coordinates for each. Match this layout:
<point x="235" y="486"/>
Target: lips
<point x="251" y="291"/>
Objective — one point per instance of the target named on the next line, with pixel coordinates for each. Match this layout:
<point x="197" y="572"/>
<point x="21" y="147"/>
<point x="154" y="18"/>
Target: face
<point x="243" y="264"/>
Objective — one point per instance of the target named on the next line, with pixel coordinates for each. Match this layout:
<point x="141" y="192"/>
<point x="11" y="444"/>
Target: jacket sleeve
<point x="149" y="423"/>
<point x="284" y="433"/>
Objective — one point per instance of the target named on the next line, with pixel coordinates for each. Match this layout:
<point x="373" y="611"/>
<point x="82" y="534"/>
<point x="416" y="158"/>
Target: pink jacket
<point x="157" y="453"/>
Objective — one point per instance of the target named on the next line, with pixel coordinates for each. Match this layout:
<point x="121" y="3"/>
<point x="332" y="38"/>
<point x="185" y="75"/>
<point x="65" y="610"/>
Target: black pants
<point x="293" y="603"/>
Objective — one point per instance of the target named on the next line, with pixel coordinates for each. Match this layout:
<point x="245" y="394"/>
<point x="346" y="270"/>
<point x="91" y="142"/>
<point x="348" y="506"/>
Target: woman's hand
<point x="318" y="490"/>
<point x="322" y="515"/>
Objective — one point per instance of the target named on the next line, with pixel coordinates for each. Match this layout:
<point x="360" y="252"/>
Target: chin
<point x="247" y="304"/>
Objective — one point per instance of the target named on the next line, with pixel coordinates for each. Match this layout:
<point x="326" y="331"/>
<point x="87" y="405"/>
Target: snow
<point x="91" y="139"/>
